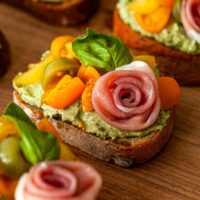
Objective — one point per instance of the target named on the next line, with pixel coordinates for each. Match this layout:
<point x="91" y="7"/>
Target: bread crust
<point x="123" y="152"/>
<point x="4" y="54"/>
<point x="67" y="13"/>
<point x="185" y="68"/>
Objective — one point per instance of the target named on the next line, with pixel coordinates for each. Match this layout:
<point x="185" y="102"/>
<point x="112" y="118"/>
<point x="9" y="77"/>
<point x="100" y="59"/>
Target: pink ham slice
<point x="128" y="98"/>
<point x="190" y="14"/>
<point x="59" y="180"/>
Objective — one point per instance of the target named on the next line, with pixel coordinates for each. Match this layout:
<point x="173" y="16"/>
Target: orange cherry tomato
<point x="169" y="91"/>
<point x="64" y="93"/>
<point x="88" y="73"/>
<point x="156" y="21"/>
<point x="87" y="98"/>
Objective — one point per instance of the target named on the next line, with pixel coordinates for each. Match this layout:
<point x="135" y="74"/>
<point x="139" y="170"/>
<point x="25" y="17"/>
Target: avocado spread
<point x="172" y="36"/>
<point x="92" y="123"/>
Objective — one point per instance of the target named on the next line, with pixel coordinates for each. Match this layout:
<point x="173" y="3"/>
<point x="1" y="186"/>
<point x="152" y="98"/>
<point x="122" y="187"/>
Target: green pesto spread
<point x="172" y="36"/>
<point x="93" y="124"/>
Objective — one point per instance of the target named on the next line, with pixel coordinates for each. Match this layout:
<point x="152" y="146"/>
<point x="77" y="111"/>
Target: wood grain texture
<point x="174" y="174"/>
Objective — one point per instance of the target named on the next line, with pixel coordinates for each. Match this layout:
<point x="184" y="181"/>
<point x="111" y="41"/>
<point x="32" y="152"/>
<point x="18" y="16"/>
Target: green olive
<point x="57" y="69"/>
<point x="11" y="159"/>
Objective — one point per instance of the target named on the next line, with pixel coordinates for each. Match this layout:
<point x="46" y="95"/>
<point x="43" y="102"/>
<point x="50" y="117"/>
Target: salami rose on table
<point x="128" y="98"/>
<point x="59" y="180"/>
<point x="190" y="14"/>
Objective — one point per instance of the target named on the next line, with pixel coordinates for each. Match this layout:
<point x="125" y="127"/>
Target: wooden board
<point x="174" y="174"/>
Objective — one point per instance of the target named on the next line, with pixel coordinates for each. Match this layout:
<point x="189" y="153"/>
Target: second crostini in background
<point x="169" y="30"/>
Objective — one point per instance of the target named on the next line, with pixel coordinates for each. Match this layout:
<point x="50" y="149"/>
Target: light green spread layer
<point x="92" y="122"/>
<point x="172" y="36"/>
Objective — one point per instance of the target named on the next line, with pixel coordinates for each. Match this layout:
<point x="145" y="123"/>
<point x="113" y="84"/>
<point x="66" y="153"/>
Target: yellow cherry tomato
<point x="156" y="21"/>
<point x="58" y="46"/>
<point x="143" y="6"/>
<point x="7" y="127"/>
<point x="148" y="59"/>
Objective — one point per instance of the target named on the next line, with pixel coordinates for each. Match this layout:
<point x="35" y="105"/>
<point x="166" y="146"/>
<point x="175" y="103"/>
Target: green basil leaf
<point x="36" y="145"/>
<point x="15" y="111"/>
<point x="101" y="51"/>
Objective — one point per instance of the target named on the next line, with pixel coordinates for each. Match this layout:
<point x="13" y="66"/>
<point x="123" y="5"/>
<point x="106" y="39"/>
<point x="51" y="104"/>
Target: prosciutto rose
<point x="190" y="14"/>
<point x="128" y="98"/>
<point x="59" y="180"/>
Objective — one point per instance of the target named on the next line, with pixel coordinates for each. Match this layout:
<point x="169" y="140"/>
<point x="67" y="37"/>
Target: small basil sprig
<point x="36" y="145"/>
<point x="102" y="51"/>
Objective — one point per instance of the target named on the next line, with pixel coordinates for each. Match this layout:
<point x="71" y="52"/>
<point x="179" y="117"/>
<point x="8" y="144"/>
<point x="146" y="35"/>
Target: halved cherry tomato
<point x="87" y="98"/>
<point x="58" y="46"/>
<point x="64" y="93"/>
<point x="88" y="73"/>
<point x="169" y="91"/>
<point x="7" y="128"/>
<point x="148" y="59"/>
<point x="143" y="6"/>
<point x="156" y="21"/>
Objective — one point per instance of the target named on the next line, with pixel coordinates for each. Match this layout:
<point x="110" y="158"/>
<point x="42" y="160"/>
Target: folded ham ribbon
<point x="59" y="180"/>
<point x="128" y="97"/>
<point x="190" y="15"/>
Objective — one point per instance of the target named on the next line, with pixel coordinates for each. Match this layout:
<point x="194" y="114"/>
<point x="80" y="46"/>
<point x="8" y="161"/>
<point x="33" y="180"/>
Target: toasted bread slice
<point x="124" y="152"/>
<point x="71" y="12"/>
<point x="183" y="67"/>
<point x="4" y="54"/>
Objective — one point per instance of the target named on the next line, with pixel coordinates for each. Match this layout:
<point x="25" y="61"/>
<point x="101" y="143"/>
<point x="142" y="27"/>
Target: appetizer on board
<point x="58" y="12"/>
<point x="100" y="98"/>
<point x="53" y="167"/>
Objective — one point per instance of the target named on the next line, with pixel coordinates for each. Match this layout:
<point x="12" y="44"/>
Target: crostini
<point x="34" y="162"/>
<point x="58" y="12"/>
<point x="167" y="29"/>
<point x="100" y="98"/>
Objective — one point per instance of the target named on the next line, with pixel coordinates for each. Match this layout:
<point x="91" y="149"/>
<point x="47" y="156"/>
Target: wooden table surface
<point x="172" y="175"/>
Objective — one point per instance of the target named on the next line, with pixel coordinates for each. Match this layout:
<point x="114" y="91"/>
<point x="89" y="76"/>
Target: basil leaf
<point x="15" y="111"/>
<point x="101" y="51"/>
<point x="36" y="145"/>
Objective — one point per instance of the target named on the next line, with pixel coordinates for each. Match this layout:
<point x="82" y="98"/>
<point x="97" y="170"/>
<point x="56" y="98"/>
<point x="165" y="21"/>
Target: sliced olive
<point x="58" y="68"/>
<point x="12" y="161"/>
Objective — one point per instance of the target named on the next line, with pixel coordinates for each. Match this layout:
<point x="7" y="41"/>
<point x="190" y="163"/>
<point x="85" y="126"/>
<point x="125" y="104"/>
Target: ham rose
<point x="128" y="97"/>
<point x="59" y="180"/>
<point x="190" y="14"/>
